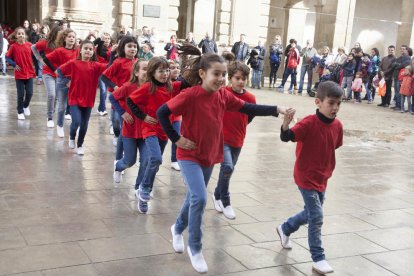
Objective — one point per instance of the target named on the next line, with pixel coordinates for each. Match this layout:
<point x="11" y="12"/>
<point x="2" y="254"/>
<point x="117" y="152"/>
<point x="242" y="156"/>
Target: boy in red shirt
<point x="318" y="137"/>
<point x="234" y="132"/>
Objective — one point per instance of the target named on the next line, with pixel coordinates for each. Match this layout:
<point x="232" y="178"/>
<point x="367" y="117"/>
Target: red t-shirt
<point x="150" y="103"/>
<point x="315" y="151"/>
<point x="235" y="123"/>
<point x="41" y="46"/>
<point x="120" y="71"/>
<point x="22" y="55"/>
<point x="84" y="77"/>
<point x="121" y="94"/>
<point x="61" y="55"/>
<point x="202" y="123"/>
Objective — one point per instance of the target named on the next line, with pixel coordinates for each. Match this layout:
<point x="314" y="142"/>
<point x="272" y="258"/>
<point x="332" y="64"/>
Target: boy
<point x="318" y="137"/>
<point x="234" y="132"/>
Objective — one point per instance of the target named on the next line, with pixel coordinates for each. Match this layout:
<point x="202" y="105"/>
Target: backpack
<point x="274" y="58"/>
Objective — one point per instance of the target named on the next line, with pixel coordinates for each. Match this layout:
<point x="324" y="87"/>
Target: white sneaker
<point x="26" y="111"/>
<point x="117" y="175"/>
<point x="284" y="240"/>
<point x="175" y="166"/>
<point x="71" y="144"/>
<point x="322" y="267"/>
<point x="228" y="211"/>
<point x="114" y="141"/>
<point x="198" y="261"/>
<point x="102" y="113"/>
<point x="50" y="124"/>
<point x="60" y="132"/>
<point x="177" y="241"/>
<point x="68" y="117"/>
<point x="20" y="116"/>
<point x="216" y="204"/>
<point x="80" y="151"/>
<point x="111" y="130"/>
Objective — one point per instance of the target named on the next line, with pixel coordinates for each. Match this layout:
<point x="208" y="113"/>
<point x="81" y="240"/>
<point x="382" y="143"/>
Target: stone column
<point x="126" y="13"/>
<point x="405" y="29"/>
<point x="325" y="22"/>
<point x="84" y="16"/>
<point x="60" y="11"/>
<point x="344" y="23"/>
<point x="173" y="14"/>
<point x="224" y="22"/>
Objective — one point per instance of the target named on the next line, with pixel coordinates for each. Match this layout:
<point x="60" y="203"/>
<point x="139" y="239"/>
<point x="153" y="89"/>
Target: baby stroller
<point x="332" y="73"/>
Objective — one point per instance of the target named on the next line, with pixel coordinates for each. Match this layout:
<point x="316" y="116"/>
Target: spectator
<point x="44" y="30"/>
<point x="388" y="69"/>
<point x="190" y="39"/>
<point x="293" y="59"/>
<point x="145" y="52"/>
<point x="375" y="63"/>
<point x="275" y="50"/>
<point x="145" y="36"/>
<point x="308" y="54"/>
<point x="256" y="62"/>
<point x="27" y="29"/>
<point x="171" y="48"/>
<point x="241" y="49"/>
<point x="401" y="62"/>
<point x="208" y="45"/>
<point x="153" y="37"/>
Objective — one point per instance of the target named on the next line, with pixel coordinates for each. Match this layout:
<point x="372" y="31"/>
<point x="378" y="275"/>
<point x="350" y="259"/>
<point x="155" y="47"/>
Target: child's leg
<point x="20" y="95"/>
<point x="196" y="178"/>
<point x="259" y="78"/>
<point x="76" y="121"/>
<point x="142" y="162"/>
<point x="102" y="95"/>
<point x="28" y="85"/>
<point x="348" y="87"/>
<point x="62" y="99"/>
<point x="402" y="103"/>
<point x="410" y="107"/>
<point x="130" y="155"/>
<point x="85" y="115"/>
<point x="50" y="84"/>
<point x="226" y="170"/>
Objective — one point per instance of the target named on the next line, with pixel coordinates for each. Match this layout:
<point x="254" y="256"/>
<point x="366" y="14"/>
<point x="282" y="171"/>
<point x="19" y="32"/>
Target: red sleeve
<point x="140" y="96"/>
<point x="10" y="52"/>
<point x="41" y="45"/>
<point x="111" y="72"/>
<point x="101" y="68"/>
<point x="121" y="92"/>
<point x="66" y="68"/>
<point x="232" y="102"/>
<point x="340" y="136"/>
<point x="53" y="57"/>
<point x="178" y="104"/>
<point x="300" y="129"/>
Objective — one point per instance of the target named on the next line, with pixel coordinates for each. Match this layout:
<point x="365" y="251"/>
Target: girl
<point x="131" y="128"/>
<point x="65" y="51"/>
<point x="150" y="96"/>
<point x="201" y="144"/>
<point x="83" y="73"/>
<point x="357" y="87"/>
<point x="406" y="89"/>
<point x="234" y="131"/>
<point x="115" y="76"/>
<point x="20" y="57"/>
<point x="40" y="49"/>
<point x="171" y="48"/>
<point x="175" y="120"/>
<point x="276" y="50"/>
<point x="348" y="74"/>
<point x="34" y="38"/>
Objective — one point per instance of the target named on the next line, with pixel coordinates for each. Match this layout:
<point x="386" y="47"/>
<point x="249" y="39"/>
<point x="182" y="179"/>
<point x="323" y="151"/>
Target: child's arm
<point x="163" y="114"/>
<point x="139" y="113"/>
<point x="37" y="54"/>
<point x="262" y="110"/>
<point x="286" y="134"/>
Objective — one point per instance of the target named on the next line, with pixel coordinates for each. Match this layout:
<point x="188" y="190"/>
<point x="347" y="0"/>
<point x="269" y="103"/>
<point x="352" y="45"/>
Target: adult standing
<point x="375" y="63"/>
<point x="386" y="67"/>
<point x="401" y="62"/>
<point x="307" y="54"/>
<point x="275" y="51"/>
<point x="171" y="48"/>
<point x="208" y="45"/>
<point x="189" y="39"/>
<point x="240" y="49"/>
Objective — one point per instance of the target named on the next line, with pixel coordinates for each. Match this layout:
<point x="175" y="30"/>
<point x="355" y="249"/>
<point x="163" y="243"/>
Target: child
<point x="357" y="87"/>
<point x="20" y="57"/>
<point x="234" y="131"/>
<point x="365" y="71"/>
<point x="131" y="128"/>
<point x="144" y="103"/>
<point x="176" y="120"/>
<point x="83" y="73"/>
<point x="65" y="51"/>
<point x="406" y="89"/>
<point x="318" y="136"/>
<point x="40" y="49"/>
<point x="200" y="145"/>
<point x="348" y="74"/>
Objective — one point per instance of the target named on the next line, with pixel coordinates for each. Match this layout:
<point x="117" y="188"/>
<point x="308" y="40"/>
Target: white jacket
<point x="5" y="47"/>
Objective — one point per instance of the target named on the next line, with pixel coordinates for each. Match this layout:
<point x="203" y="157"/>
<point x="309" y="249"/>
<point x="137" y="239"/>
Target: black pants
<point x="387" y="98"/>
<point x="274" y="67"/>
<point x="24" y="94"/>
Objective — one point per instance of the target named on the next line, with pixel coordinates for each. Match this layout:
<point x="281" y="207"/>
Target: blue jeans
<point x="50" y="84"/>
<point x="62" y="99"/>
<point x="257" y="78"/>
<point x="313" y="216"/>
<point x="347" y="81"/>
<point x="305" y="69"/>
<point x="397" y="96"/>
<point x="403" y="97"/>
<point x="116" y="122"/>
<point x="80" y="119"/>
<point x="24" y="94"/>
<point x="176" y="126"/>
<point x="102" y="95"/>
<point x="231" y="156"/>
<point x="130" y="157"/>
<point x="292" y="73"/>
<point x="155" y="148"/>
<point x="196" y="178"/>
<point x="119" y="145"/>
<point x="369" y="92"/>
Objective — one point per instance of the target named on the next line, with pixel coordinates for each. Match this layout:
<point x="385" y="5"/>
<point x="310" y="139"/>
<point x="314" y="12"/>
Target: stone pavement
<point x="61" y="214"/>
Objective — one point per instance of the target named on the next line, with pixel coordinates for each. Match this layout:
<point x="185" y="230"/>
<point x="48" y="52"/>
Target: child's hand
<point x="281" y="109"/>
<point x="18" y="68"/>
<point x="128" y="118"/>
<point x="185" y="143"/>
<point x="290" y="113"/>
<point x="68" y="84"/>
<point x="150" y="120"/>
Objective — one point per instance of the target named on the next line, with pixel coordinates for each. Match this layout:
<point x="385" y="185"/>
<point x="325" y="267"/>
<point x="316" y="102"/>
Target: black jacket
<point x="400" y="63"/>
<point x="236" y="48"/>
<point x="256" y="58"/>
<point x="208" y="46"/>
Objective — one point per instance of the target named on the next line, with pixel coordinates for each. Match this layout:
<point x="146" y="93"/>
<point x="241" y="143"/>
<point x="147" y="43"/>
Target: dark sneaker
<point x="142" y="206"/>
<point x="144" y="196"/>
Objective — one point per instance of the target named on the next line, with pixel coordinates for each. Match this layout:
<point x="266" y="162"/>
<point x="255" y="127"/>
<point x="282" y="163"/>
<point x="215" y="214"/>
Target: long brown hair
<point x="154" y="64"/>
<point x="135" y="69"/>
<point x="51" y="37"/>
<point x="60" y="39"/>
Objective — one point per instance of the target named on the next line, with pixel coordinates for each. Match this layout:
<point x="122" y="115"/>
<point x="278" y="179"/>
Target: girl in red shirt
<point x="115" y="76"/>
<point x="83" y="73"/>
<point x="131" y="128"/>
<point x="144" y="103"/>
<point x="200" y="145"/>
<point x="19" y="56"/>
<point x="40" y="50"/>
<point x="65" y="51"/>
